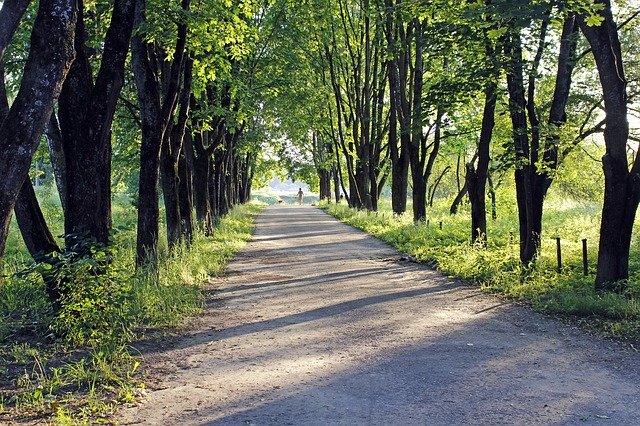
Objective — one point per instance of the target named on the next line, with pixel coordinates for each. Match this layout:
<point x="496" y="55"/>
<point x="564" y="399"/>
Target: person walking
<point x="300" y="196"/>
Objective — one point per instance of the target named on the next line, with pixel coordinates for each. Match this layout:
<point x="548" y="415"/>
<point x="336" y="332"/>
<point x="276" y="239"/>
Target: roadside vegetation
<point x="496" y="267"/>
<point x="76" y="366"/>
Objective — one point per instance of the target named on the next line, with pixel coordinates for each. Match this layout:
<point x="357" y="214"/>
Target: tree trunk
<point x="11" y="14"/>
<point x="38" y="239"/>
<point x="492" y="196"/>
<point x="529" y="242"/>
<point x="86" y="113"/>
<point x="201" y="179"/>
<point x="621" y="186"/>
<point x="476" y="177"/>
<point x="185" y="189"/>
<point x="171" y="152"/>
<point x="33" y="227"/>
<point x="152" y="136"/>
<point x="434" y="187"/>
<point x="453" y="210"/>
<point x="50" y="56"/>
<point x="169" y="180"/>
<point x="336" y="183"/>
<point x="55" y="144"/>
<point x="156" y="115"/>
<point x="324" y="177"/>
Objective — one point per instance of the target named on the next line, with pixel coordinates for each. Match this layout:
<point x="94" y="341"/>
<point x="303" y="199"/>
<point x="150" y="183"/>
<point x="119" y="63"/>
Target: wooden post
<point x="559" y="250"/>
<point x="585" y="260"/>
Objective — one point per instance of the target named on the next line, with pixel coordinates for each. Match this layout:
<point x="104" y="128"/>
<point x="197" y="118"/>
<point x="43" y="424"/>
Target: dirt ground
<point x="317" y="323"/>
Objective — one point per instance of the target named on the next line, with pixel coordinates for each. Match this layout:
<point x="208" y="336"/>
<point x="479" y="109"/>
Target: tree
<point x="86" y="110"/>
<point x="50" y="56"/>
<point x="157" y="107"/>
<point x="622" y="184"/>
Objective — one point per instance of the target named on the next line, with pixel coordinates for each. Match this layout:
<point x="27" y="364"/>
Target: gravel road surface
<point x="316" y="323"/>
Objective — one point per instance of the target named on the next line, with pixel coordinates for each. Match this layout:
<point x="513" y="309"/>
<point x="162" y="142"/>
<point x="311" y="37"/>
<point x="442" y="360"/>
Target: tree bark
<point x="55" y="144"/>
<point x="453" y="210"/>
<point x="156" y="116"/>
<point x="171" y="152"/>
<point x="517" y="110"/>
<point x="50" y="57"/>
<point x="621" y="185"/>
<point x="476" y="177"/>
<point x="86" y="113"/>
<point x="185" y="188"/>
<point x="10" y="15"/>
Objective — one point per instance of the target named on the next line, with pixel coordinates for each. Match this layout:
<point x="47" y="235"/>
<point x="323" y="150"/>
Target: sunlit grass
<point x="90" y="340"/>
<point x="445" y="242"/>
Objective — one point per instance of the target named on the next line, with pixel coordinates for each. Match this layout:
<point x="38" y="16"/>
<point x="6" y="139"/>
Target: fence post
<point x="559" y="254"/>
<point x="585" y="260"/>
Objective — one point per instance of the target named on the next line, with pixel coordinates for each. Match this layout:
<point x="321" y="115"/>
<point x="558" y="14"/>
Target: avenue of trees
<point x="409" y="83"/>
<point x="196" y="101"/>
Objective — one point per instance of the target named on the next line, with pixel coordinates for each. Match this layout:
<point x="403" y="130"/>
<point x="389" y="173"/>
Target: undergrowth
<point x="75" y="366"/>
<point x="444" y="242"/>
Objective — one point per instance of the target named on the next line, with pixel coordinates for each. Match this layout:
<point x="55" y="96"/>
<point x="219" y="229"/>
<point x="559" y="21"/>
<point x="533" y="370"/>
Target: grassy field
<point x="75" y="367"/>
<point x="444" y="242"/>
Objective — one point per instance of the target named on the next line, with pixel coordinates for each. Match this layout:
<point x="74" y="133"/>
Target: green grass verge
<point x="445" y="243"/>
<point x="80" y="378"/>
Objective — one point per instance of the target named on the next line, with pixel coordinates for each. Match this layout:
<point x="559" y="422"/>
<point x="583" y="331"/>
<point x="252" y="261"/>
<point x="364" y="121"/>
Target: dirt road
<point x="317" y="323"/>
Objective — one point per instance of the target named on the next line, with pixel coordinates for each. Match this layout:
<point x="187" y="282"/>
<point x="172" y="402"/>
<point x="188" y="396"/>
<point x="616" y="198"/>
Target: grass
<point x="77" y="366"/>
<point x="444" y="242"/>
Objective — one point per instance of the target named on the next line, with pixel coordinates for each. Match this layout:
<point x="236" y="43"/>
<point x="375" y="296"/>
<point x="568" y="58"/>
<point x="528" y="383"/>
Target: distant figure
<point x="300" y="196"/>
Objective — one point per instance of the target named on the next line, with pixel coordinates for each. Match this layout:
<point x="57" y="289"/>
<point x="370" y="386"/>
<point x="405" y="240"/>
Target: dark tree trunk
<point x="169" y="180"/>
<point x="171" y="152"/>
<point x="33" y="227"/>
<point x="621" y="185"/>
<point x="399" y="157"/>
<point x="325" y="184"/>
<point x="532" y="184"/>
<point x="419" y="194"/>
<point x="492" y="196"/>
<point x="529" y="240"/>
<point x="50" y="56"/>
<point x="55" y="144"/>
<point x="185" y="188"/>
<point x="10" y="15"/>
<point x="153" y="130"/>
<point x="201" y="179"/>
<point x="476" y="177"/>
<point x="86" y="113"/>
<point x="32" y="224"/>
<point x="336" y="183"/>
<point x="415" y="158"/>
<point x="398" y="115"/>
<point x="38" y="238"/>
<point x="156" y="115"/>
<point x="216" y="184"/>
<point x="434" y="187"/>
<point x="453" y="210"/>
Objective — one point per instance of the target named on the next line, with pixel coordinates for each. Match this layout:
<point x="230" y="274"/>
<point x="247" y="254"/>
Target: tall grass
<point x="74" y="365"/>
<point x="444" y="242"/>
